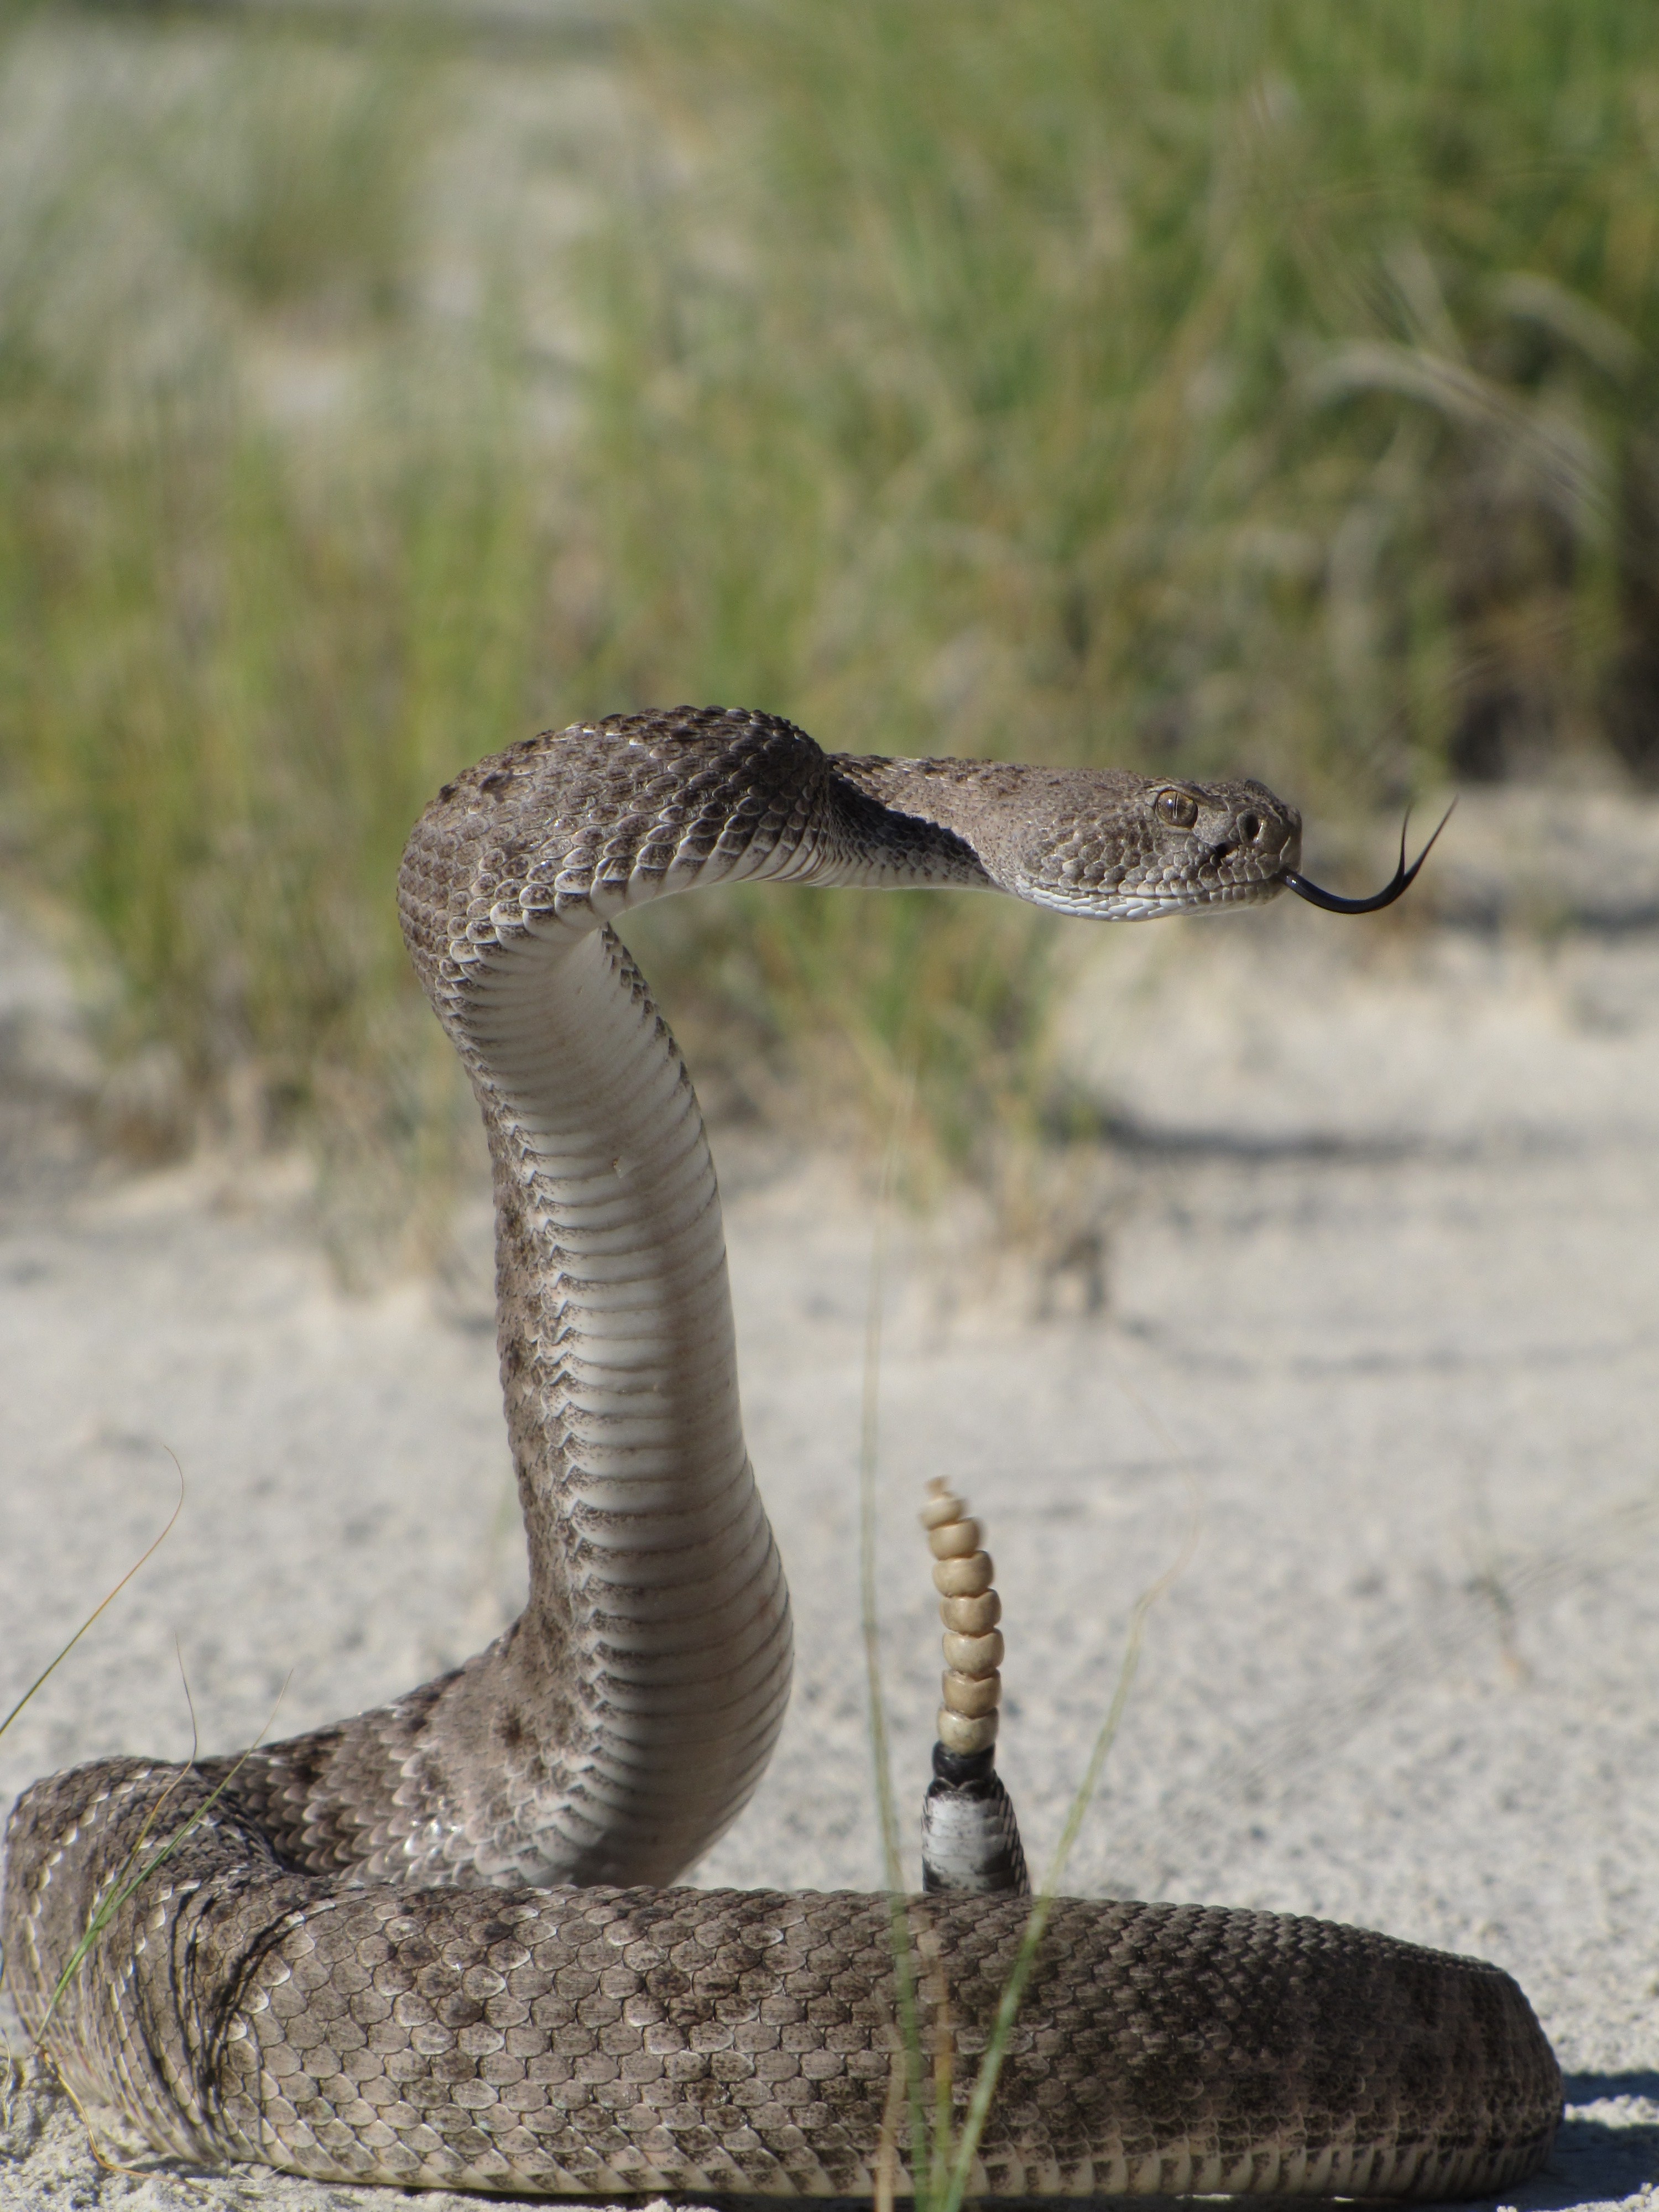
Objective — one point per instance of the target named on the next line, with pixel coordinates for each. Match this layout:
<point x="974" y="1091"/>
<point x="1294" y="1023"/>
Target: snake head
<point x="1125" y="848"/>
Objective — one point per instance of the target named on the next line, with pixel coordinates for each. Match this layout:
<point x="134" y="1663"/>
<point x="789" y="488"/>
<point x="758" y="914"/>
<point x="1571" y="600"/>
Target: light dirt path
<point x="1381" y="1263"/>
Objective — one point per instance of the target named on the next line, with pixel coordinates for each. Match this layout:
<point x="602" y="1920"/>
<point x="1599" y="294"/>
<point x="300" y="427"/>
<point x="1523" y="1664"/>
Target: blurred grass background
<point x="1268" y="388"/>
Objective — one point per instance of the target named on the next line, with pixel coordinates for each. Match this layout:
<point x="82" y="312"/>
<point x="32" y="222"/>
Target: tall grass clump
<point x="1268" y="388"/>
<point x="1145" y="382"/>
<point x="273" y="562"/>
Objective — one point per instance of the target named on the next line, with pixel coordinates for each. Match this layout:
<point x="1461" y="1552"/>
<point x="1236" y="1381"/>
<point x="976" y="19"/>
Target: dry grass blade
<point x="1570" y="470"/>
<point x="143" y="1560"/>
<point x="12" y="2073"/>
<point x="102" y="2158"/>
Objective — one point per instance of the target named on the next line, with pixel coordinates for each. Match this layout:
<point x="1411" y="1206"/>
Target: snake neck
<point x="650" y="1670"/>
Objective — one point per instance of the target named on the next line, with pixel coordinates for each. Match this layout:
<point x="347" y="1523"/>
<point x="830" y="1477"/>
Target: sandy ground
<point x="1366" y="1276"/>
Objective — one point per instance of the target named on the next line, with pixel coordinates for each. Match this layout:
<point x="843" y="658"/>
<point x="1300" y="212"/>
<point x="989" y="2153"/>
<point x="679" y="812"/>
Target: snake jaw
<point x="1149" y="904"/>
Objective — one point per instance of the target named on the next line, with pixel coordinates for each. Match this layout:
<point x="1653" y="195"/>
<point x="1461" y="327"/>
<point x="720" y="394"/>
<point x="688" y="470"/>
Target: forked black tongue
<point x="1404" y="878"/>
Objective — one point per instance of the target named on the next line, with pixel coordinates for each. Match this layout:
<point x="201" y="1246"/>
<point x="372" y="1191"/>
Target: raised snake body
<point x="428" y="1946"/>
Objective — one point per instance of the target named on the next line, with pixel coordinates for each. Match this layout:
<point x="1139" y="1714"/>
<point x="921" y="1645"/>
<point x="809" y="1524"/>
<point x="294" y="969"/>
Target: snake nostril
<point x="1249" y="828"/>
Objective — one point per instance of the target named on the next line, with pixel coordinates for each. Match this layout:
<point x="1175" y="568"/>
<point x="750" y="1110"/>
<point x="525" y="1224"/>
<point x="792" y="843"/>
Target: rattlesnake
<point x="431" y="1945"/>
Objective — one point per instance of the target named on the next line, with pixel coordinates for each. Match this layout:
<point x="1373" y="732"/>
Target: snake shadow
<point x="1608" y="2146"/>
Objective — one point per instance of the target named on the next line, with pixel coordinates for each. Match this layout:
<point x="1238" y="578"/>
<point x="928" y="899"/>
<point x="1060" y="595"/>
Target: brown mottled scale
<point x="431" y="1945"/>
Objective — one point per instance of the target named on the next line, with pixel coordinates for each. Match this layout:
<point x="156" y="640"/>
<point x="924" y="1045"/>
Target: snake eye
<point x="1178" y="808"/>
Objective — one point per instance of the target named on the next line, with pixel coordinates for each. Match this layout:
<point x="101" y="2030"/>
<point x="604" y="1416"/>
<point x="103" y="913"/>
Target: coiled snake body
<point x="429" y="1945"/>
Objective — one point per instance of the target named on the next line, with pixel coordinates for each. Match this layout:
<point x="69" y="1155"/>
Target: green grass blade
<point x="121" y="1891"/>
<point x="1013" y="1990"/>
<point x="923" y="2149"/>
